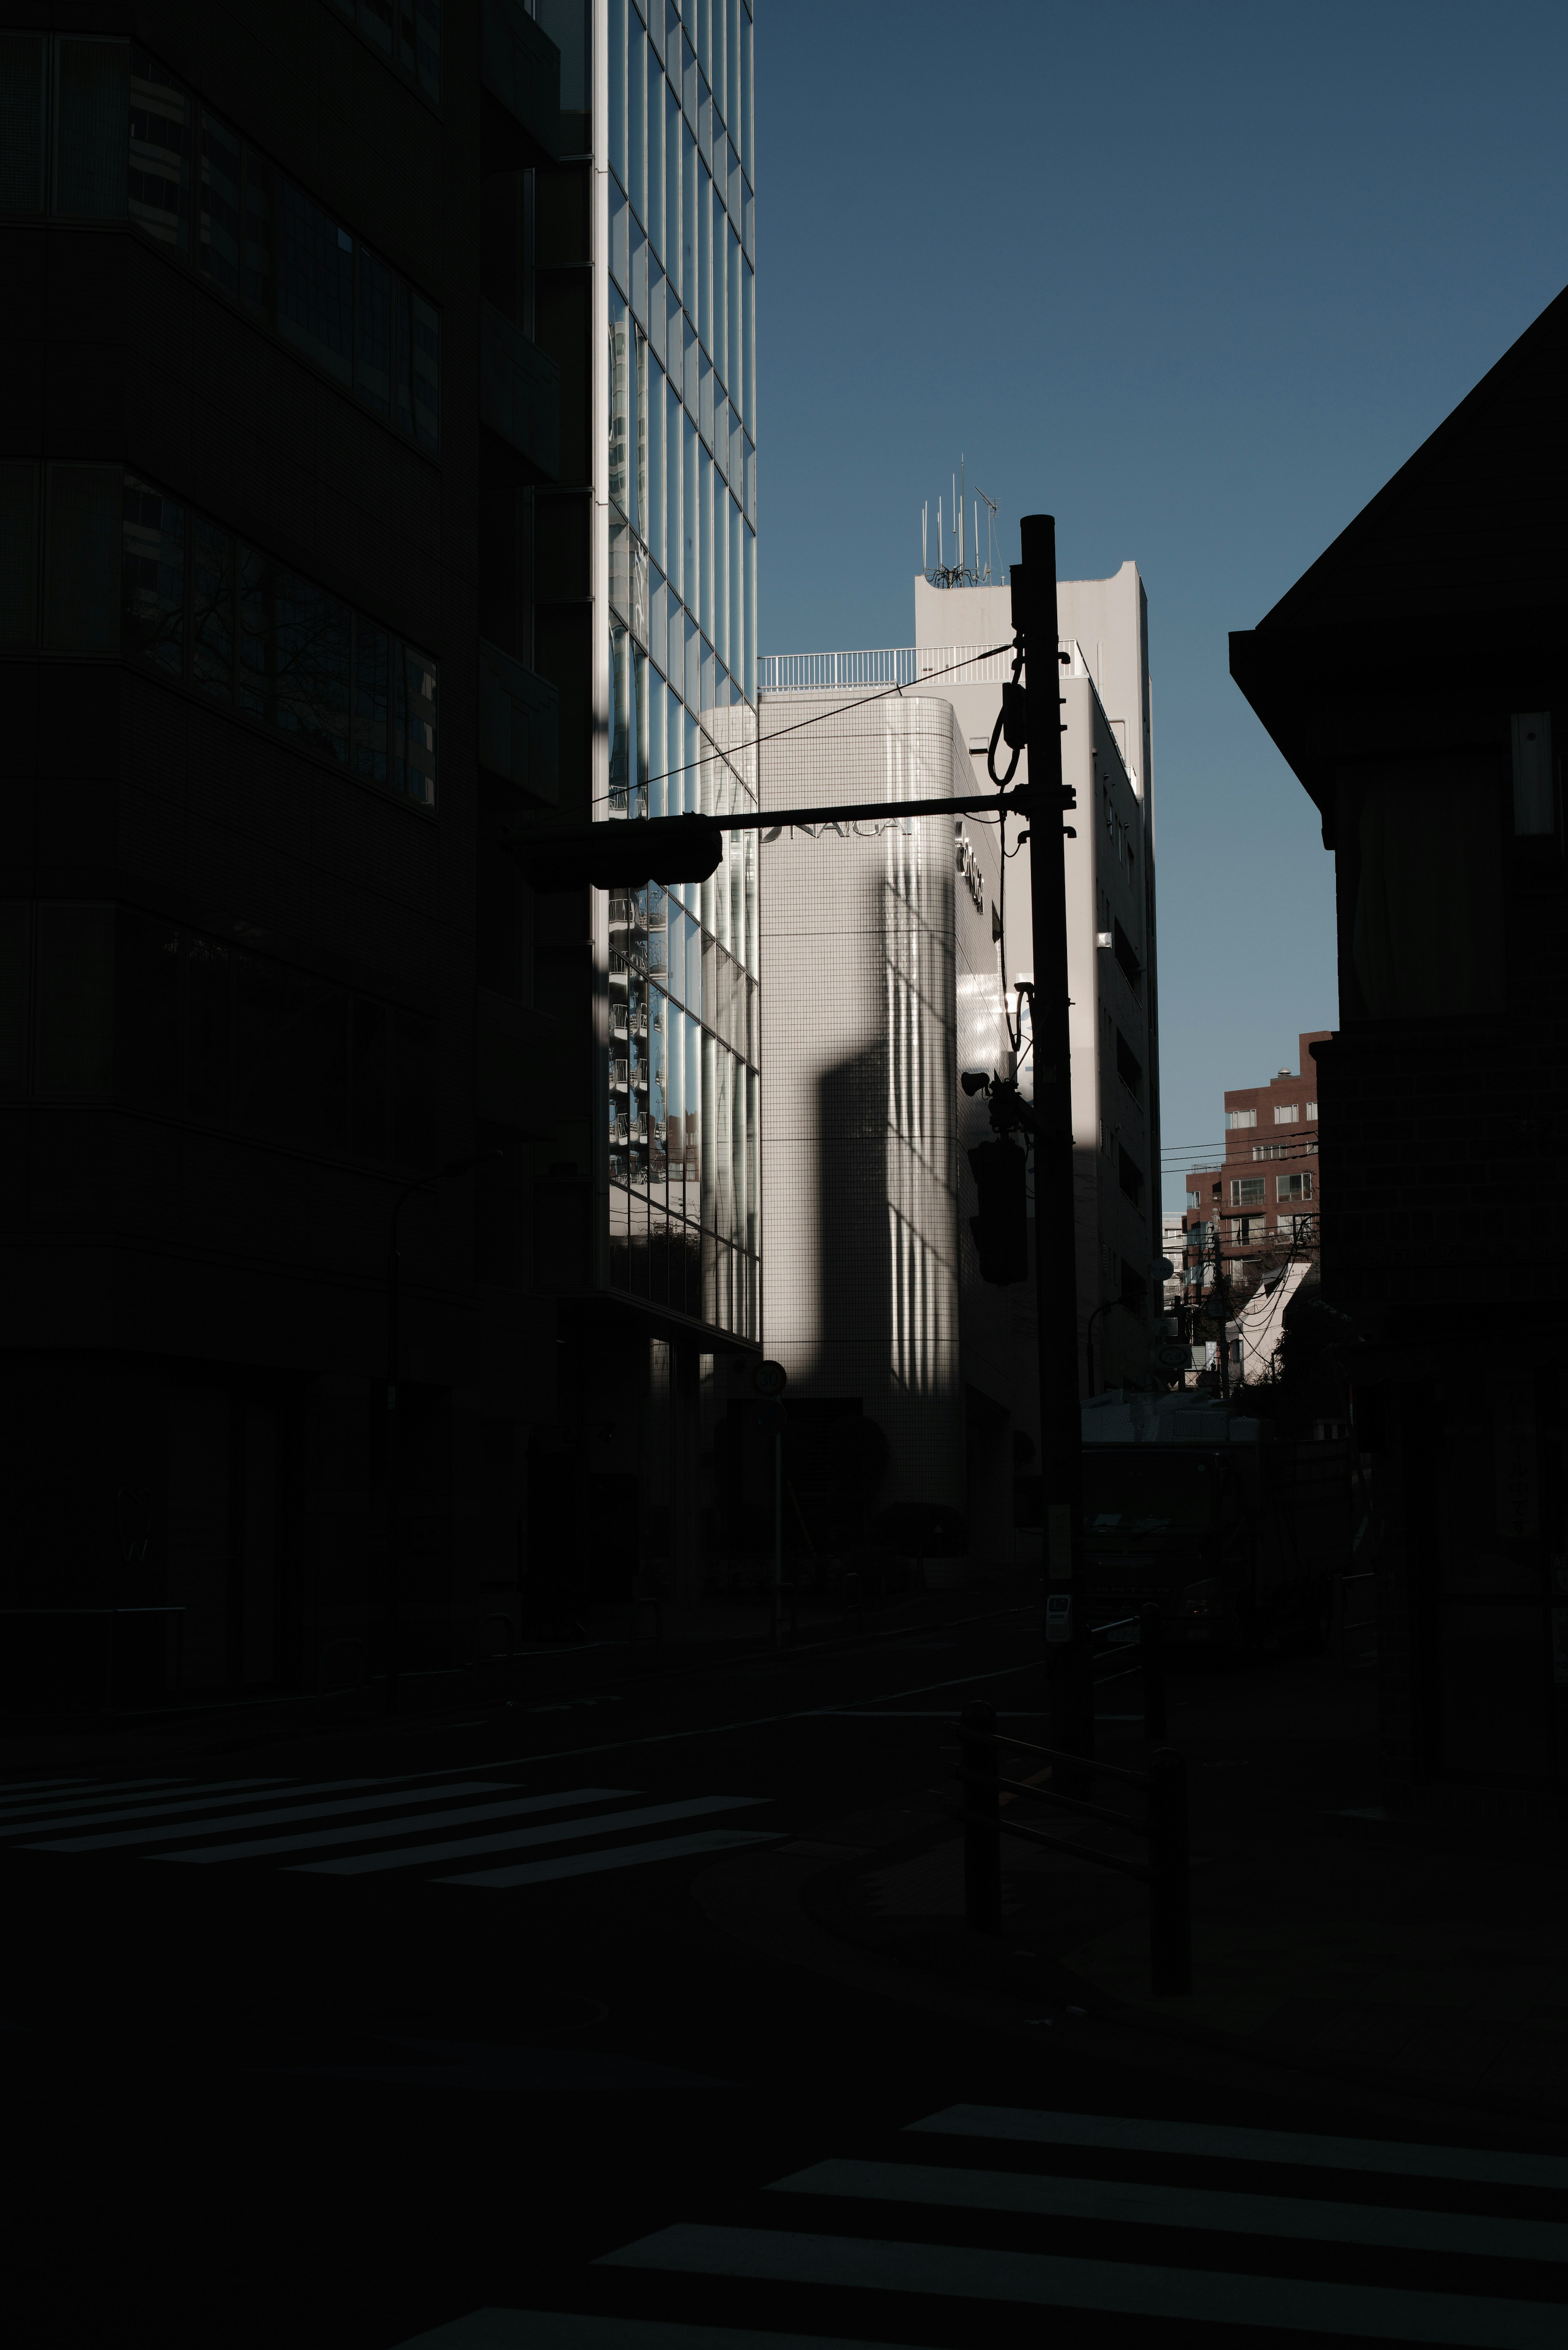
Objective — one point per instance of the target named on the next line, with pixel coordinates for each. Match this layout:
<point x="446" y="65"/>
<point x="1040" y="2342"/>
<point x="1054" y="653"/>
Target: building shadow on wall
<point x="888" y="1317"/>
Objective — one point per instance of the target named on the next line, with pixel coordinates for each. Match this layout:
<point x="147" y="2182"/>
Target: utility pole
<point x="1070" y="1660"/>
<point x="1223" y="1295"/>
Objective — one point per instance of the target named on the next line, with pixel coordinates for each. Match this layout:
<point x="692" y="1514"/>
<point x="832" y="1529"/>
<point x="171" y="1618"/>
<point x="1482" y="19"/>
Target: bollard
<point x="1151" y="1643"/>
<point x="981" y="1821"/>
<point x="1170" y="1890"/>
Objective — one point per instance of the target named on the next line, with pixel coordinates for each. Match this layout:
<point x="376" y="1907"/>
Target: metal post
<point x="393" y="1465"/>
<point x="1071" y="1670"/>
<point x="778" y="1532"/>
<point x="981" y="1821"/>
<point x="1224" y="1315"/>
<point x="1169" y="1897"/>
<point x="1151" y="1643"/>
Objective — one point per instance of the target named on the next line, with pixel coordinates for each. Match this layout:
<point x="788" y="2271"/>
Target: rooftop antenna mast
<point x="990" y="505"/>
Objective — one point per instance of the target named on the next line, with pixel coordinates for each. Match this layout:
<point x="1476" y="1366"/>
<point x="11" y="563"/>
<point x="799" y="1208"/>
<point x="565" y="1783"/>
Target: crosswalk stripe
<point x="1184" y="2207"/>
<point x="557" y="1832"/>
<point x="175" y="1826"/>
<point x="549" y="2329"/>
<point x="137" y="1795"/>
<point x="1042" y="2280"/>
<point x="357" y="1832"/>
<point x="1473" y="2165"/>
<point x="618" y="1855"/>
<point x="35" y="1790"/>
<point x="175" y="1804"/>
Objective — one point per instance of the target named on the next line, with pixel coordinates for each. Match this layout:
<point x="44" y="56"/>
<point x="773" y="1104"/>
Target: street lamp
<point x="444" y="1174"/>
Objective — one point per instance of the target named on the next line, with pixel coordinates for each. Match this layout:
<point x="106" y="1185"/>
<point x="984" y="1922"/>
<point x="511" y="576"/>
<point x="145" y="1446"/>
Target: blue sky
<point x="1197" y="279"/>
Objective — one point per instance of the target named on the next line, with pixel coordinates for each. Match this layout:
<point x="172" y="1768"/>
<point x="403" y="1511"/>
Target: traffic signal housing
<point x="1001" y="1227"/>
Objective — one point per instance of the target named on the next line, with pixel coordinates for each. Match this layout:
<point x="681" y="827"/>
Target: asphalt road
<point x="342" y="2041"/>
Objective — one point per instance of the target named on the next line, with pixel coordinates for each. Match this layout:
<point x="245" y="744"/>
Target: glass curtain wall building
<point x="675" y="297"/>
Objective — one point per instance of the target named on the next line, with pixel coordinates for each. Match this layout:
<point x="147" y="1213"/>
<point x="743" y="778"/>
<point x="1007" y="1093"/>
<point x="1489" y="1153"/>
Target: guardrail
<point x="1166" y="1872"/>
<point x="1146" y="1633"/>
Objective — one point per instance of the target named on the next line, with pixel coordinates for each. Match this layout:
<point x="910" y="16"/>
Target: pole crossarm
<point x="627" y="850"/>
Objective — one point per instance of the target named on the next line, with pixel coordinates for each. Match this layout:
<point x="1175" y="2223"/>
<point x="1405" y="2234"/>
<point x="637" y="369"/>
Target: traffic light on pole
<point x="1001" y="1227"/>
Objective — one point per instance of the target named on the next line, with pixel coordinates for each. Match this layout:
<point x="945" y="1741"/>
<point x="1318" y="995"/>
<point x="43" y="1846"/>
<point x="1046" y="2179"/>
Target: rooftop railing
<point x="885" y="665"/>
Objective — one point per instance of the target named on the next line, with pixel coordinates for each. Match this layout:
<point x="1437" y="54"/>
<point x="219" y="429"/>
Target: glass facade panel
<point x="152" y="577"/>
<point x="637" y="118"/>
<point x="682" y="1091"/>
<point x="705" y="257"/>
<point x="616" y="44"/>
<point x="92" y="109"/>
<point x="158" y="165"/>
<point x="219" y="210"/>
<point x="22" y="84"/>
<point x="18" y="555"/>
<point x="314" y="281"/>
<point x="373" y="343"/>
<point x="82" y="559"/>
<point x="672" y="230"/>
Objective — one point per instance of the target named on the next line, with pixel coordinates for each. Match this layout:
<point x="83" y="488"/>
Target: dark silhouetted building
<point x="1416" y="678"/>
<point x="376" y="472"/>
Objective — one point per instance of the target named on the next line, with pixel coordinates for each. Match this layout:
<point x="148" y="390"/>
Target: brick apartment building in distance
<point x="1268" y="1191"/>
<point x="377" y="426"/>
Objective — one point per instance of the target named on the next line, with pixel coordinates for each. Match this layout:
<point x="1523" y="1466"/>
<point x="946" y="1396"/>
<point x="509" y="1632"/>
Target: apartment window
<point x="1129" y="1175"/>
<point x="1129" y="1068"/>
<point x="1310" y="1113"/>
<point x="1239" y="1117"/>
<point x="1246" y="1191"/>
<point x="1294" y="1187"/>
<point x="1127" y="956"/>
<point x="1287" y="1113"/>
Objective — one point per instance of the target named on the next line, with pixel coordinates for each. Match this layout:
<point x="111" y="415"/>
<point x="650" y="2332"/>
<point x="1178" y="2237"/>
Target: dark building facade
<point x="1416" y="678"/>
<point x="304" y="600"/>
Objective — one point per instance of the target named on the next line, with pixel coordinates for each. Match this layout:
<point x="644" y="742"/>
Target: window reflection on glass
<point x="641" y="688"/>
<point x="658" y="761"/>
<point x="91" y="102"/>
<point x="656" y="89"/>
<point x="153" y="615"/>
<point x="373" y="353"/>
<point x="636" y="116"/>
<point x="315" y="280"/>
<point x="658" y="1091"/>
<point x="704" y="256"/>
<point x="621" y="417"/>
<point x="672" y="250"/>
<point x="615" y="43"/>
<point x="622" y="720"/>
<point x="637" y="512"/>
<point x="212" y="609"/>
<point x="372" y="692"/>
<point x="258" y="255"/>
<point x="656" y="308"/>
<point x="674" y="531"/>
<point x="158" y="180"/>
<point x="619" y="230"/>
<point x="426" y="373"/>
<point x="637" y="289"/>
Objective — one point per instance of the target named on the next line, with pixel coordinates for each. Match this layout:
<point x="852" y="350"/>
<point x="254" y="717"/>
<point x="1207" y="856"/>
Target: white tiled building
<point x="881" y="981"/>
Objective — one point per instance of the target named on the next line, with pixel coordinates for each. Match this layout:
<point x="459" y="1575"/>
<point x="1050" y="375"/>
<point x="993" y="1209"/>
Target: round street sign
<point x="770" y="1378"/>
<point x="1173" y="1358"/>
